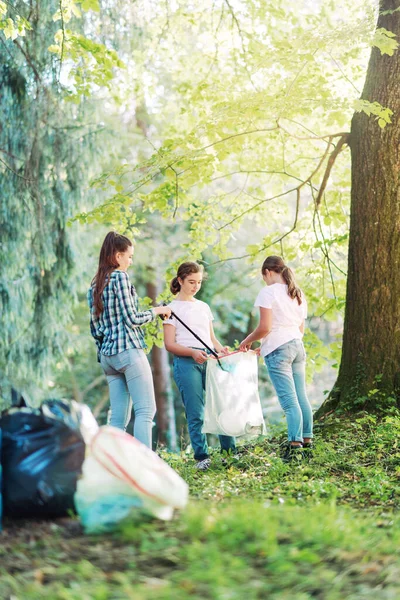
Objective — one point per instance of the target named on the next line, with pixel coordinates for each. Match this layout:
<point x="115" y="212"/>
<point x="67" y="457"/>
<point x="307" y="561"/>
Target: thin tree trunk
<point x="371" y="338"/>
<point x="105" y="399"/>
<point x="165" y="417"/>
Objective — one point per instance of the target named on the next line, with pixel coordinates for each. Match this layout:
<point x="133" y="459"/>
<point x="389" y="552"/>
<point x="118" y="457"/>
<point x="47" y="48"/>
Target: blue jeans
<point x="130" y="380"/>
<point x="286" y="368"/>
<point x="190" y="378"/>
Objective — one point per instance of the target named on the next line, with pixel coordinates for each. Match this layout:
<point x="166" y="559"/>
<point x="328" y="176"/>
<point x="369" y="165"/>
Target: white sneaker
<point x="203" y="465"/>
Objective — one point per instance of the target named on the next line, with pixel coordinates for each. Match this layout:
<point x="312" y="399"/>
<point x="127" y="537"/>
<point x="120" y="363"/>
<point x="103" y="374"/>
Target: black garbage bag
<point x="1" y="500"/>
<point x="42" y="455"/>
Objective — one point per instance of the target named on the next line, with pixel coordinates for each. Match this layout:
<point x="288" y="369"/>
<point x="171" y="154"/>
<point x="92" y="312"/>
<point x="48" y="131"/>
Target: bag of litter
<point x="123" y="478"/>
<point x="1" y="501"/>
<point x="232" y="405"/>
<point x="42" y="454"/>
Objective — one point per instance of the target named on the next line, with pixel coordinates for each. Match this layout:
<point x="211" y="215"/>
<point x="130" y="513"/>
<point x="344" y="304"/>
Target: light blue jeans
<point x="190" y="378"/>
<point x="286" y="368"/>
<point x="130" y="380"/>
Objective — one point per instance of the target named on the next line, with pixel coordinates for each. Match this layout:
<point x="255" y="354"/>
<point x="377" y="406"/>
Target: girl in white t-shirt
<point x="190" y="356"/>
<point x="283" y="309"/>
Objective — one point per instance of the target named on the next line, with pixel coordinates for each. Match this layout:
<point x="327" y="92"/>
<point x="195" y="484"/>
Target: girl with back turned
<point x="283" y="309"/>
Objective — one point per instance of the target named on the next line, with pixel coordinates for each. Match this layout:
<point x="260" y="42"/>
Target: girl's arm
<point x="263" y="328"/>
<point x="132" y="317"/>
<point x="302" y="327"/>
<point x="217" y="345"/>
<point x="198" y="356"/>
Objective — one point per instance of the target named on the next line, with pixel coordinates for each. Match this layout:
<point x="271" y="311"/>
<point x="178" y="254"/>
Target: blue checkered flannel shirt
<point x="118" y="328"/>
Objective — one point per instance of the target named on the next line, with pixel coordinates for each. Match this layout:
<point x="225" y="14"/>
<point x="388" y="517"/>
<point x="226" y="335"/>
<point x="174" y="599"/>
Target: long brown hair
<point x="276" y="264"/>
<point x="113" y="243"/>
<point x="184" y="270"/>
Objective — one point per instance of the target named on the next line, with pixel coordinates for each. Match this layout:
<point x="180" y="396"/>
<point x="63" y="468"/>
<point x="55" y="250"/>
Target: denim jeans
<point x="286" y="368"/>
<point x="130" y="380"/>
<point x="190" y="378"/>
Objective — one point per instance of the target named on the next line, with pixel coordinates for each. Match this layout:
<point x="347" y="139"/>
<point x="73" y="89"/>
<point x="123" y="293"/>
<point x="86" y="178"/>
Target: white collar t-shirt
<point x="287" y="316"/>
<point x="198" y="316"/>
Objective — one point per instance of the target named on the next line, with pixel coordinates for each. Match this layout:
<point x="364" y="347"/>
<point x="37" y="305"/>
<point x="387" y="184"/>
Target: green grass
<point x="355" y="462"/>
<point x="255" y="528"/>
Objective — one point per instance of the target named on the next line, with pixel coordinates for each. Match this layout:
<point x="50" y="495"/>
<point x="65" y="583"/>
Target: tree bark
<point x="371" y="338"/>
<point x="165" y="417"/>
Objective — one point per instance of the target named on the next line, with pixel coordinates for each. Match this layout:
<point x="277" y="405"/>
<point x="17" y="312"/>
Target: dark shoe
<point x="293" y="453"/>
<point x="242" y="450"/>
<point x="308" y="448"/>
<point x="228" y="452"/>
<point x="230" y="459"/>
<point x="203" y="465"/>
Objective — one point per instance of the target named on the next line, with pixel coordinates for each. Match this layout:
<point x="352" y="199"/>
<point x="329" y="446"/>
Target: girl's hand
<point x="199" y="356"/>
<point x="258" y="351"/>
<point x="224" y="351"/>
<point x="244" y="346"/>
<point x="163" y="311"/>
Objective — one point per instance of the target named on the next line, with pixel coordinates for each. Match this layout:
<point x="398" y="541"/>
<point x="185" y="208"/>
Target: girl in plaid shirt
<point x="115" y="324"/>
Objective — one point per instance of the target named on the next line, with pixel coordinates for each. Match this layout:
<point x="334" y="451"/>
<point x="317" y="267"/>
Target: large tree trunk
<point x="371" y="338"/>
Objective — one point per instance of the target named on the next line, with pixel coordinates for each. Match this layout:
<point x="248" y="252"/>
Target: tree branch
<point x="97" y="381"/>
<point x="101" y="404"/>
<point x="235" y="20"/>
<point x="234" y="135"/>
<point x="314" y="137"/>
<point x="296" y="77"/>
<point x="29" y="61"/>
<point x="256" y="172"/>
<point x="324" y="249"/>
<point x="14" y="172"/>
<point x="278" y="240"/>
<point x="296" y="189"/>
<point x="176" y="191"/>
<point x="63" y="38"/>
<point x="11" y="155"/>
<point x="344" y="74"/>
<point x="245" y="212"/>
<point x="331" y="161"/>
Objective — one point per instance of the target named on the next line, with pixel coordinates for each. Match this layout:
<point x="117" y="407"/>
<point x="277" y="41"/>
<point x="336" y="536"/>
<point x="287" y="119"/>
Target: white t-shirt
<point x="287" y="316"/>
<point x="198" y="316"/>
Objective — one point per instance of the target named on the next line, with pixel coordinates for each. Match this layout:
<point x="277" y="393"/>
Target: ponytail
<point x="175" y="286"/>
<point x="293" y="290"/>
<point x="276" y="264"/>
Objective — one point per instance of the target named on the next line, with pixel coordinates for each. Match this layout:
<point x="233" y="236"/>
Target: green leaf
<point x="9" y="29"/>
<point x="383" y="39"/>
<point x="90" y="5"/>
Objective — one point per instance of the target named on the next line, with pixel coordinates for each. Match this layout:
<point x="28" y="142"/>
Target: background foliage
<point x="205" y="132"/>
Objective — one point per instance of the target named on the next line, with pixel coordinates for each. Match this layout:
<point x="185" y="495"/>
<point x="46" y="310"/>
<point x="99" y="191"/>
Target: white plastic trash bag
<point x="232" y="405"/>
<point x="89" y="426"/>
<point x="121" y="476"/>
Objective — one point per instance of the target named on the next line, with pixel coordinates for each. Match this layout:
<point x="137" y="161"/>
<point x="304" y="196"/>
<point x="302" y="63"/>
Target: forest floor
<point x="255" y="528"/>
